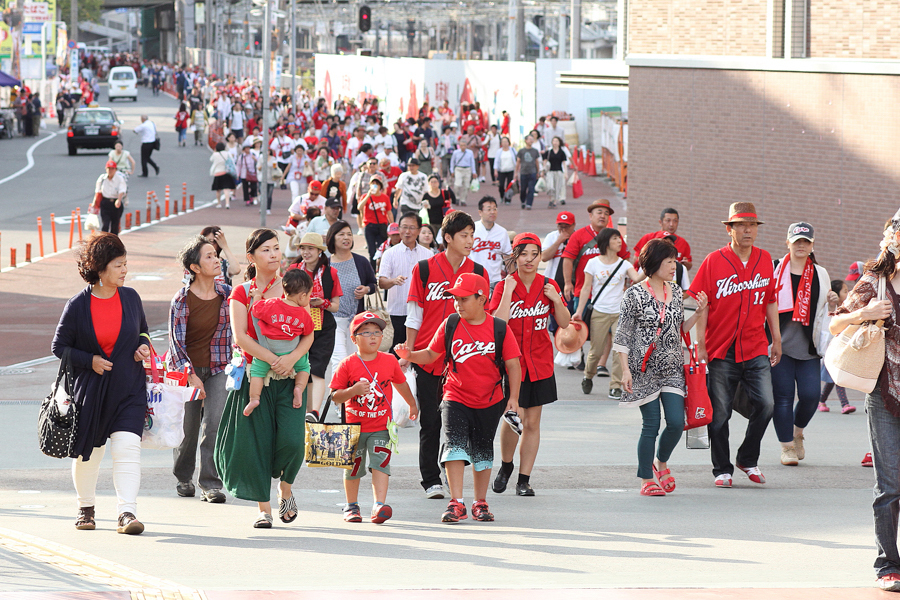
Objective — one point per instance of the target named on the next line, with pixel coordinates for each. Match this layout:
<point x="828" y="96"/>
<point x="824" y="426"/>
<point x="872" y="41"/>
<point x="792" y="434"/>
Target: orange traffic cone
<point x="592" y="165"/>
<point x="577" y="159"/>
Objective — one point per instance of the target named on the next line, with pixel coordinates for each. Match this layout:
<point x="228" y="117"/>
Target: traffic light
<point x="365" y="18"/>
<point x="410" y="30"/>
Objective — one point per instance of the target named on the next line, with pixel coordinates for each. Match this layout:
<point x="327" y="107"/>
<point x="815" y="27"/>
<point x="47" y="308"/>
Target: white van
<point x="122" y="83"/>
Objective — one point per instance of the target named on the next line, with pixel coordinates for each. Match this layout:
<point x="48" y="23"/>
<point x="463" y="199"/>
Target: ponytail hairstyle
<point x="256" y="239"/>
<point x="886" y="263"/>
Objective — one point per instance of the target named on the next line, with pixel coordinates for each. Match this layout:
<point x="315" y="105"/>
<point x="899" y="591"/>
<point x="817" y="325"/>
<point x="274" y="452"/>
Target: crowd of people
<point x="471" y="319"/>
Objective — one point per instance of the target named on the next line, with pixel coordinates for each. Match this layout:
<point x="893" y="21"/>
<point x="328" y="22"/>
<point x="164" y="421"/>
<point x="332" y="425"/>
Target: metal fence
<point x="223" y="64"/>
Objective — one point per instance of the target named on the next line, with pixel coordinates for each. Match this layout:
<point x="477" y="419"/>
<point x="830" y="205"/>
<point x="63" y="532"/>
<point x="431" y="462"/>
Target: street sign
<point x="32" y="28"/>
<point x="71" y="44"/>
<point x="74" y="64"/>
<point x="279" y="62"/>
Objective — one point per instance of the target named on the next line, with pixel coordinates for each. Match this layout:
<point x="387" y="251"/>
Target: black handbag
<point x="156" y="145"/>
<point x="589" y="306"/>
<point x="56" y="431"/>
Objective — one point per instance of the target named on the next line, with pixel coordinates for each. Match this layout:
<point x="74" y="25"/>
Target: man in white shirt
<point x="554" y="130"/>
<point x="112" y="187"/>
<point x="389" y="154"/>
<point x="490" y="246"/>
<point x="147" y="131"/>
<point x="410" y="189"/>
<point x="236" y="121"/>
<point x="365" y="154"/>
<point x="396" y="267"/>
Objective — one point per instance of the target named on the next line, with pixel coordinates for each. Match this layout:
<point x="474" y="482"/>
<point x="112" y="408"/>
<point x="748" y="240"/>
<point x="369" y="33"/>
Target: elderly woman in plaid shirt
<point x="200" y="341"/>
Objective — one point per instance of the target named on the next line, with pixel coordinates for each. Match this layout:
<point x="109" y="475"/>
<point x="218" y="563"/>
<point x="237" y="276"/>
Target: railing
<point x="222" y="64"/>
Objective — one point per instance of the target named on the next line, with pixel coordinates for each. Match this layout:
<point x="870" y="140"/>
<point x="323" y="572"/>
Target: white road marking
<point x="30" y="156"/>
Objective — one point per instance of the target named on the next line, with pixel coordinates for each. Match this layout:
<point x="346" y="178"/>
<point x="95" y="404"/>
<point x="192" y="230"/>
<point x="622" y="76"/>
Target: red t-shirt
<point x="436" y="303"/>
<point x="376" y="209"/>
<point x="372" y="410"/>
<point x="684" y="249"/>
<point x="391" y="175"/>
<point x="738" y="298"/>
<point x="529" y="314"/>
<point x="473" y="378"/>
<point x="106" y="314"/>
<point x="279" y="320"/>
<point x="577" y="240"/>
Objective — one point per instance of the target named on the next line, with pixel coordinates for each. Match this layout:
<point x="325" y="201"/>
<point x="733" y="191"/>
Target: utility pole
<point x="266" y="94"/>
<point x="293" y="61"/>
<point x="561" y="37"/>
<point x="73" y="17"/>
<point x="521" y="40"/>
<point x="576" y="29"/>
<point x="511" y="31"/>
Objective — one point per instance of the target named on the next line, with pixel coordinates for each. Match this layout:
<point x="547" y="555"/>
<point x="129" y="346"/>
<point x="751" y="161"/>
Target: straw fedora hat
<point x="572" y="338"/>
<point x="742" y="212"/>
<point x="314" y="240"/>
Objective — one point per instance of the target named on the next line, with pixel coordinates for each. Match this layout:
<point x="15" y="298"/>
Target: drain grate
<point x="16" y="371"/>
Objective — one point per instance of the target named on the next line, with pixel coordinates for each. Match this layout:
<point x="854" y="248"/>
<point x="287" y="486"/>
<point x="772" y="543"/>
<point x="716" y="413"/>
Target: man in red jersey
<point x="668" y="224"/>
<point x="428" y="305"/>
<point x="582" y="246"/>
<point x="740" y="284"/>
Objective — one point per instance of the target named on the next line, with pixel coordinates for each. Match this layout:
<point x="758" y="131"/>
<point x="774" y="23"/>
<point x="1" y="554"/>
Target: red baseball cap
<point x="393" y="228"/>
<point x="565" y="217"/>
<point x="527" y="238"/>
<point x="469" y="284"/>
<point x="366" y="317"/>
<point x="111" y="164"/>
<point x="314" y="186"/>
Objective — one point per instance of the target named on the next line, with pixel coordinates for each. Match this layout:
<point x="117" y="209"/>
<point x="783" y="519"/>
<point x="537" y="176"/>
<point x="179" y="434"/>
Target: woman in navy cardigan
<point x="102" y="327"/>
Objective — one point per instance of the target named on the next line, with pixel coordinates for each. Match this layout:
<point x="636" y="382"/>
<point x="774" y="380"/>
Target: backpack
<point x="423" y="271"/>
<point x="499" y="339"/>
<point x="230" y="167"/>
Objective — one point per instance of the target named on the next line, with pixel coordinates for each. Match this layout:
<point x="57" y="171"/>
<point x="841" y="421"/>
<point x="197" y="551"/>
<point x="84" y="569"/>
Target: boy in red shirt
<point x="281" y="324"/>
<point x="473" y="392"/>
<point x="363" y="380"/>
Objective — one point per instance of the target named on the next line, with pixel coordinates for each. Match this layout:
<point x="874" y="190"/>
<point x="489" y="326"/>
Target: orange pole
<point x="148" y="206"/>
<point x="40" y="237"/>
<point x="72" y="230"/>
<point x="167" y="204"/>
<point x="53" y="231"/>
<point x="192" y="202"/>
<point x="78" y="223"/>
<point x="137" y="218"/>
<point x="157" y="212"/>
<point x="127" y="221"/>
<point x="183" y="196"/>
<point x="12" y="257"/>
<point x="28" y="253"/>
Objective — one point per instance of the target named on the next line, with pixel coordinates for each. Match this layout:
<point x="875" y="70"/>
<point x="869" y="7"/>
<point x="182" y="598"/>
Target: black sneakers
<point x="524" y="489"/>
<point x="587" y="385"/>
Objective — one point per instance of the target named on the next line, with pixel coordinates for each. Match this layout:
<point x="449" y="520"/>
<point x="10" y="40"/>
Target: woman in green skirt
<point x="269" y="444"/>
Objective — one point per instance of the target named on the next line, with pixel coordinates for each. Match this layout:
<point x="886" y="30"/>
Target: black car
<point x="93" y="128"/>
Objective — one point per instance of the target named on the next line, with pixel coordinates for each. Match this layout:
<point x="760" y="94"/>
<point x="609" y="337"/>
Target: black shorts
<point x="321" y="350"/>
<point x="537" y="393"/>
<point x="467" y="434"/>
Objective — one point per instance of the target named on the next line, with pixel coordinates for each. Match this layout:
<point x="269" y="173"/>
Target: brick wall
<point x="855" y="29"/>
<point x="711" y="27"/>
<point x="801" y="146"/>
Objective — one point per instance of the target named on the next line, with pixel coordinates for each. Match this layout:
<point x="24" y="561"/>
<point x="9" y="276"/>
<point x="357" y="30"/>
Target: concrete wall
<point x="576" y="101"/>
<point x="821" y="147"/>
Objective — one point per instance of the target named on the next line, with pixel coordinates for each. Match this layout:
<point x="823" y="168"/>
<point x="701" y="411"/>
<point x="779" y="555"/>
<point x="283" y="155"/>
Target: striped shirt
<point x="400" y="260"/>
<point x="219" y="345"/>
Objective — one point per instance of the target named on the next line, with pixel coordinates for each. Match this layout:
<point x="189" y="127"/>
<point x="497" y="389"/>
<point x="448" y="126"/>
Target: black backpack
<point x="499" y="339"/>
<point x="424" y="272"/>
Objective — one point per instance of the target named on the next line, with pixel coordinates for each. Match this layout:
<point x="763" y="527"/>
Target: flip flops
<point x="665" y="479"/>
<point x="285" y="506"/>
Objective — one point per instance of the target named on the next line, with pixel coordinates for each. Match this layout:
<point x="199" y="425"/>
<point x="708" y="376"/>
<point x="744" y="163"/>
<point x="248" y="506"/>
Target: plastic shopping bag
<point x="164" y="421"/>
<point x="399" y="406"/>
<point x="91" y="222"/>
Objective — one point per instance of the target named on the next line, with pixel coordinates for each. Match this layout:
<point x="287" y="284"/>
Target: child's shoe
<point x="846" y="409"/>
<point x="455" y="512"/>
<point x="480" y="511"/>
<point x="823" y="407"/>
<point x="351" y="513"/>
<point x="381" y="513"/>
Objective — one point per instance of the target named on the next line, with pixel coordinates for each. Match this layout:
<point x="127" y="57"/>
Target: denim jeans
<point x="806" y="375"/>
<point x="724" y="375"/>
<point x="673" y="407"/>
<point x="526" y="188"/>
<point x="884" y="435"/>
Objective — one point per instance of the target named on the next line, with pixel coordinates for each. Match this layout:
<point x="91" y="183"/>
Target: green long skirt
<point x="269" y="444"/>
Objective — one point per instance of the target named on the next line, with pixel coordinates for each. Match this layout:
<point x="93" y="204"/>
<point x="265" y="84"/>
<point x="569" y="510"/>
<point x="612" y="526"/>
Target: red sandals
<point x="651" y="488"/>
<point x="665" y="479"/>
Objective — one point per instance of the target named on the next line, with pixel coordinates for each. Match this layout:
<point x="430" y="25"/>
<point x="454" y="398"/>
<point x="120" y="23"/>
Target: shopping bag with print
<point x="698" y="410"/>
<point x="164" y="420"/>
<point x="331" y="444"/>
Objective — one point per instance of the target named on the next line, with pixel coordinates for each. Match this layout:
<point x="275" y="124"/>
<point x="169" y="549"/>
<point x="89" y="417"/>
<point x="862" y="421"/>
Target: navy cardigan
<point x="116" y="400"/>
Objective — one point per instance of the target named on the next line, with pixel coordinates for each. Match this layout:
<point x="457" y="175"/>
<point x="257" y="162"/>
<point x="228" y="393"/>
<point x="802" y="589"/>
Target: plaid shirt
<point x="219" y="345"/>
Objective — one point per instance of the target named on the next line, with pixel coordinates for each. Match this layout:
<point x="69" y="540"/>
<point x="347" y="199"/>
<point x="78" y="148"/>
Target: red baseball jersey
<point x="475" y="380"/>
<point x="681" y="245"/>
<point x="529" y="316"/>
<point x="373" y="409"/>
<point x="586" y="236"/>
<point x="436" y="303"/>
<point x="738" y="297"/>
<point x="279" y="320"/>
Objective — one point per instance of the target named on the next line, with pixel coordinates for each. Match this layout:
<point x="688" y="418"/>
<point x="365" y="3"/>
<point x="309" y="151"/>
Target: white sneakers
<point x="723" y="481"/>
<point x="435" y="492"/>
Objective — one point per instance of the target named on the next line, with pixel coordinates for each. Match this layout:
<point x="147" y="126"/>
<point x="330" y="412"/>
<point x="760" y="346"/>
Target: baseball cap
<point x="453" y="125"/>
<point x="413" y="161"/>
<point x="111" y="164"/>
<point x="314" y="186"/>
<point x="469" y="284"/>
<point x="527" y="238"/>
<point x="332" y="203"/>
<point x="801" y="230"/>
<point x="393" y="229"/>
<point x="366" y="317"/>
<point x="601" y="203"/>
<point x="856" y="270"/>
<point x="565" y="217"/>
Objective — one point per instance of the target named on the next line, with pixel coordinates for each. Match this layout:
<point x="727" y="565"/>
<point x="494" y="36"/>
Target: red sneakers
<point x="723" y="481"/>
<point x="455" y="512"/>
<point x="889" y="582"/>
<point x="753" y="473"/>
<point x="480" y="511"/>
<point x="867" y="460"/>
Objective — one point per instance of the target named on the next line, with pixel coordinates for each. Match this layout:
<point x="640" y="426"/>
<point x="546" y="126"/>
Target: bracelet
<point x="325" y="303"/>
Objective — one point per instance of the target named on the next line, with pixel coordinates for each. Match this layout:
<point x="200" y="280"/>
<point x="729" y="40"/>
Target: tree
<point x="88" y="10"/>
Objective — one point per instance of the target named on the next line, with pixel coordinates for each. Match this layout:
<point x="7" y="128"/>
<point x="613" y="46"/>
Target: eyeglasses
<point x="370" y="334"/>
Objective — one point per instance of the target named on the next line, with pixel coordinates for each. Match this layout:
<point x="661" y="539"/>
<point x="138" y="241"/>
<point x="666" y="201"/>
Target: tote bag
<point x="855" y="356"/>
<point x="331" y="444"/>
<point x="698" y="411"/>
<point x="58" y="417"/>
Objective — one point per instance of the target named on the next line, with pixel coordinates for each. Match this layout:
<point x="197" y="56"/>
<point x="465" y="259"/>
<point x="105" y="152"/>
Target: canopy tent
<point x="8" y="80"/>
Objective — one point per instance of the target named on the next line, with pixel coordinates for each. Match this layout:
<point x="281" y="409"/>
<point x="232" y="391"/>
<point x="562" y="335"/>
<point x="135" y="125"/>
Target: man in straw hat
<point x="740" y="284"/>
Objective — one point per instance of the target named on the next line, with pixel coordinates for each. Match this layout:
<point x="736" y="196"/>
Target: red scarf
<point x="784" y="290"/>
<point x="804" y="294"/>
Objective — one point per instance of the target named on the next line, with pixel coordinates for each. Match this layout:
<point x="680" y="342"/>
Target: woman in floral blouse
<point x="648" y="341"/>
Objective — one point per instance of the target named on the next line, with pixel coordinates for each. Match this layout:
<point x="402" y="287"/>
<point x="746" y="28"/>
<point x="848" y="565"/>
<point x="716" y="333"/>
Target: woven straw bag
<point x="855" y="356"/>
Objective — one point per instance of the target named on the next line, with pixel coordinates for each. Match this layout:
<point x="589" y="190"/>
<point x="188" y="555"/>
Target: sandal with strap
<point x="651" y="488"/>
<point x="264" y="521"/>
<point x="85" y="519"/>
<point x="286" y="506"/>
<point x="665" y="479"/>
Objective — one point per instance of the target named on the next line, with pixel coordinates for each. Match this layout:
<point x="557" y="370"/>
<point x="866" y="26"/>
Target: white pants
<point x="556" y="185"/>
<point x="343" y="345"/>
<point x="298" y="187"/>
<point x="462" y="179"/>
<point x="126" y="454"/>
